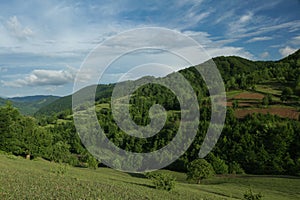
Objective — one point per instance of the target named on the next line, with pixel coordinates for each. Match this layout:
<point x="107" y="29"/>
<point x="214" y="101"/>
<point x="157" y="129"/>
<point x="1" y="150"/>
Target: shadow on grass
<point x="140" y="184"/>
<point x="137" y="175"/>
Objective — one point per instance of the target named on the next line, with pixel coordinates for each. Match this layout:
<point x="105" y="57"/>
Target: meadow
<point x="41" y="179"/>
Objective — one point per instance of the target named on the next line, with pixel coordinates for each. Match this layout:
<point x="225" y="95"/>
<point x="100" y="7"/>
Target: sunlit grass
<point x="25" y="179"/>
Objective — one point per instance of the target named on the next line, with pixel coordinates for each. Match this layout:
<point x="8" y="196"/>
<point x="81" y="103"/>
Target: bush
<point x="218" y="164"/>
<point x="162" y="181"/>
<point x="249" y="195"/>
<point x="11" y="156"/>
<point x="199" y="169"/>
<point x="235" y="168"/>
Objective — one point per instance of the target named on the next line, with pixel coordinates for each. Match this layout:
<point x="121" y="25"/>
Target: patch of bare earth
<point x="282" y="112"/>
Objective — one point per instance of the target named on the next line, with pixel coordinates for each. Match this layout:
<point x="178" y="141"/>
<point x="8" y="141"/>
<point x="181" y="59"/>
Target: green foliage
<point x="260" y="144"/>
<point x="13" y="157"/>
<point x="65" y="103"/>
<point x="267" y="100"/>
<point x="218" y="164"/>
<point x="235" y="168"/>
<point x="162" y="181"/>
<point x="235" y="104"/>
<point x="31" y="104"/>
<point x="286" y="94"/>
<point x="249" y="195"/>
<point x="199" y="169"/>
<point x="297" y="86"/>
<point x="91" y="161"/>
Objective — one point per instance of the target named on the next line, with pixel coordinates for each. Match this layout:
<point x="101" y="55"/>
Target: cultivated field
<point x="251" y="102"/>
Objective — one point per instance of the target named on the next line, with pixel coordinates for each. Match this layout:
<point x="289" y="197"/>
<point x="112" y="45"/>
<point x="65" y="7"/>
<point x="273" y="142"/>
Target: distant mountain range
<point x="29" y="105"/>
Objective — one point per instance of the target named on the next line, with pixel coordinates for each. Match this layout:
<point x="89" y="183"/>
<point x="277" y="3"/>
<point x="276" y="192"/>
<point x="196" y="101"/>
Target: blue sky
<point x="43" y="43"/>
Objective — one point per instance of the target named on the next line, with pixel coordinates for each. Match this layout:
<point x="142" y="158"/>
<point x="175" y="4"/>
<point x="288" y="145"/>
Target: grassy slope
<point x="24" y="179"/>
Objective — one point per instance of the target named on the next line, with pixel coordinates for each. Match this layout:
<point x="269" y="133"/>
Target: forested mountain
<point x="35" y="98"/>
<point x="65" y="103"/>
<point x="28" y="105"/>
<point x="237" y="73"/>
<point x="260" y="143"/>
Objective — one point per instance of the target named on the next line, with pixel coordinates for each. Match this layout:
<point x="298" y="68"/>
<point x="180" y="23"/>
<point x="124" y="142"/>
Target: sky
<point x="44" y="43"/>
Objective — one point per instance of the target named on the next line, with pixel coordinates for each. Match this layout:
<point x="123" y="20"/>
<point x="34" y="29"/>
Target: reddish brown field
<point x="249" y="95"/>
<point x="282" y="112"/>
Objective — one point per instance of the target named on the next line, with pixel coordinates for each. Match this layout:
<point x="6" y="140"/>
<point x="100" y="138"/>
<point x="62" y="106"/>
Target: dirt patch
<point x="249" y="95"/>
<point x="291" y="113"/>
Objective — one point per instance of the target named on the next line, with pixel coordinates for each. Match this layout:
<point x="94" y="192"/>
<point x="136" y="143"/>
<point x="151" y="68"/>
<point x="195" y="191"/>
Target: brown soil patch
<point x="249" y="95"/>
<point x="282" y="112"/>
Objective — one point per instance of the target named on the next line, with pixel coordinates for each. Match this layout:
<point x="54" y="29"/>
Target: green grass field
<point x="39" y="179"/>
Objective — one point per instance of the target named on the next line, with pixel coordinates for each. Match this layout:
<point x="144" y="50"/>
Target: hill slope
<point x="18" y="177"/>
<point x="237" y="73"/>
<point x="28" y="105"/>
<point x="65" y="103"/>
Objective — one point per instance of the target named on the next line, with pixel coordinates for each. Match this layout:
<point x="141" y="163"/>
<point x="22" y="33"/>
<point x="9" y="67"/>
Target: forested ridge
<point x="30" y="104"/>
<point x="255" y="144"/>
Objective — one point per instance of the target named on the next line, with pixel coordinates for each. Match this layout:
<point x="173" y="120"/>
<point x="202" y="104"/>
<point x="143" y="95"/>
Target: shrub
<point x="162" y="181"/>
<point x="235" y="168"/>
<point x="11" y="156"/>
<point x="218" y="164"/>
<point x="199" y="169"/>
<point x="92" y="162"/>
<point x="249" y="195"/>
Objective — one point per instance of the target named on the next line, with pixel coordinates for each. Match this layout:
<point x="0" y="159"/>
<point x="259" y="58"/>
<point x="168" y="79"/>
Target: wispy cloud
<point x="17" y="30"/>
<point x="241" y="25"/>
<point x="291" y="26"/>
<point x="296" y="40"/>
<point x="265" y="55"/>
<point x="286" y="51"/>
<point x="256" y="39"/>
<point x="38" y="43"/>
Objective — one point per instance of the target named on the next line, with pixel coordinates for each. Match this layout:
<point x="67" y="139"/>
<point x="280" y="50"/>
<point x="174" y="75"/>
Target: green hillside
<point x="30" y="104"/>
<point x="237" y="73"/>
<point x="40" y="179"/>
<point x="103" y="92"/>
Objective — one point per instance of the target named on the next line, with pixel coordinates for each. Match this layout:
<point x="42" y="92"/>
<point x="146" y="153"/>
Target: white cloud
<point x="230" y="51"/>
<point x="296" y="40"/>
<point x="289" y="26"/>
<point x="246" y="18"/>
<point x="286" y="51"/>
<point x="217" y="47"/>
<point x="240" y="25"/>
<point x="17" y="29"/>
<point x="44" y="78"/>
<point x="265" y="55"/>
<point x="224" y="16"/>
<point x="256" y="39"/>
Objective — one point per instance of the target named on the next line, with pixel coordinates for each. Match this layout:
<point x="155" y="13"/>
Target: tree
<point x="286" y="94"/>
<point x="297" y="87"/>
<point x="162" y="181"/>
<point x="235" y="104"/>
<point x="267" y="100"/>
<point x="218" y="164"/>
<point x="199" y="169"/>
